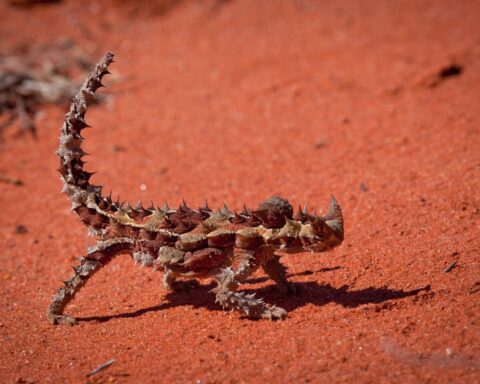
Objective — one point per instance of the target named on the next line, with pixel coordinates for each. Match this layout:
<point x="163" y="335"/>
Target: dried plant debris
<point x="450" y="267"/>
<point x="442" y="74"/>
<point x="31" y="3"/>
<point x="443" y="359"/>
<point x="223" y="245"/>
<point x="10" y="180"/>
<point x="101" y="368"/>
<point x="475" y="288"/>
<point x="39" y="76"/>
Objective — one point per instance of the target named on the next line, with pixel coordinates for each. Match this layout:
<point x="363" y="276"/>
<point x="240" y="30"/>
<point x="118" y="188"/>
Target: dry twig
<point x="101" y="368"/>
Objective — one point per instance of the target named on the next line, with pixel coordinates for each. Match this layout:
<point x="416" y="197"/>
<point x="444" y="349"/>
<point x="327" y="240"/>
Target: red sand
<point x="235" y="101"/>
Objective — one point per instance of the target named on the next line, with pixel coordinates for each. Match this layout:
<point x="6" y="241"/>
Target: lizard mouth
<point x="311" y="233"/>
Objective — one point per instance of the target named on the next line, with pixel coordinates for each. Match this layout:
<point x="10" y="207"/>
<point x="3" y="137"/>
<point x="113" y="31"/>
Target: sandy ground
<point x="235" y="101"/>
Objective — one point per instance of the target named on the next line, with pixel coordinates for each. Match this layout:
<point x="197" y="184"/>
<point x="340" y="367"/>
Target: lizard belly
<point x="198" y="263"/>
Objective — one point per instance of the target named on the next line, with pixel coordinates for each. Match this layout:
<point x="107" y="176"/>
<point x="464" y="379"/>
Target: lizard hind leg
<point x="278" y="273"/>
<point x="96" y="258"/>
<point x="248" y="305"/>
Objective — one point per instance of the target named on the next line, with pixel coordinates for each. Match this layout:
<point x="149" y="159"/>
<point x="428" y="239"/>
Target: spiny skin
<point x="223" y="245"/>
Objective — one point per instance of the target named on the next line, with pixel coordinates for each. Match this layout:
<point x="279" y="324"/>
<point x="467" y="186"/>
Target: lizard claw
<point x="274" y="313"/>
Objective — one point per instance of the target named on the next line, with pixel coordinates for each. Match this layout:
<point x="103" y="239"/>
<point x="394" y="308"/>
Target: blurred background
<point x="375" y="102"/>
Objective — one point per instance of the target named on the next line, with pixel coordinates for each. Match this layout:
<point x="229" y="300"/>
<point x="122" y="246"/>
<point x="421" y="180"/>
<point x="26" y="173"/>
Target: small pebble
<point x="21" y="229"/>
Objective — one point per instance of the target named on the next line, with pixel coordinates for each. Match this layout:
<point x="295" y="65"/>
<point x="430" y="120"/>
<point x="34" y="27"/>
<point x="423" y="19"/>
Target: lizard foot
<point x="61" y="319"/>
<point x="274" y="313"/>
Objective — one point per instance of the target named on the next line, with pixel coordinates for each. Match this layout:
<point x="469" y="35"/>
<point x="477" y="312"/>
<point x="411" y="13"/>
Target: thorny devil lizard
<point x="222" y="245"/>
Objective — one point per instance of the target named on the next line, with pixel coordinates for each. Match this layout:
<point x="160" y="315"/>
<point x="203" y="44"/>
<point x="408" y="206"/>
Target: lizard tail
<point x="85" y="197"/>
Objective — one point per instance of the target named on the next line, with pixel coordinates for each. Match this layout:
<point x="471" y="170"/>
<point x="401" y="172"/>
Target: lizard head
<point x="322" y="232"/>
<point x="305" y="232"/>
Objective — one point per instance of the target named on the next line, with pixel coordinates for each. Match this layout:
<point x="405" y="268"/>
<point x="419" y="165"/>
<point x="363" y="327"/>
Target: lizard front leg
<point x="240" y="301"/>
<point x="96" y="258"/>
<point x="247" y="263"/>
<point x="278" y="273"/>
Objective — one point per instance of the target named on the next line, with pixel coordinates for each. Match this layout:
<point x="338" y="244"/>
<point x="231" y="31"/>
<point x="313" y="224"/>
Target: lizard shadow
<point x="200" y="297"/>
<point x="309" y="292"/>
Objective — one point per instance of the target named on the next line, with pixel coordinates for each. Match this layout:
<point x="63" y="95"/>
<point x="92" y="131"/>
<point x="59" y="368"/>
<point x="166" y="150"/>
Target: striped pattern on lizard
<point x="198" y="243"/>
